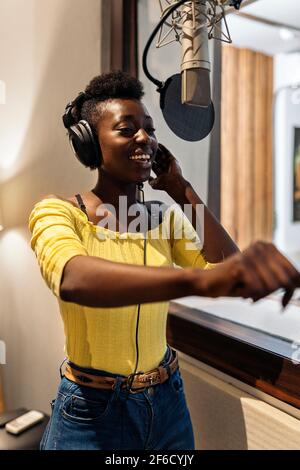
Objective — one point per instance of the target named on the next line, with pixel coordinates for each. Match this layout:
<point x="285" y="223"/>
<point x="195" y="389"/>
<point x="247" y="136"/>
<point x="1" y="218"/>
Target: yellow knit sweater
<point x="104" y="338"/>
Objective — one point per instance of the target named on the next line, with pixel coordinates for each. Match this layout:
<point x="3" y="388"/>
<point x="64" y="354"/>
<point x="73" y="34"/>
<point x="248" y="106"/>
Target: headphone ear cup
<point x="93" y="138"/>
<point x="85" y="144"/>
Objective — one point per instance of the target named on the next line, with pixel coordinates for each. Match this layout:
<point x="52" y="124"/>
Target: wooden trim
<point x="214" y="178"/>
<point x="269" y="196"/>
<point x="116" y="38"/>
<point x="130" y="38"/>
<point x="105" y="19"/>
<point x="251" y="356"/>
<point x="260" y="145"/>
<point x="124" y="37"/>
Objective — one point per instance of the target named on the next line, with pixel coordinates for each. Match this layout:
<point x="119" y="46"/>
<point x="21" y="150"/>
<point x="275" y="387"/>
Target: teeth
<point x="139" y="157"/>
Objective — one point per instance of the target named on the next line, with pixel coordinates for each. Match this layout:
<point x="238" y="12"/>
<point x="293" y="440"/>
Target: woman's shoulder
<point x="53" y="203"/>
<point x="56" y="196"/>
<point x="71" y="200"/>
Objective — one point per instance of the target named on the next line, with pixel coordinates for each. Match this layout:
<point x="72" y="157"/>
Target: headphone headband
<point x="68" y="118"/>
<point x="83" y="141"/>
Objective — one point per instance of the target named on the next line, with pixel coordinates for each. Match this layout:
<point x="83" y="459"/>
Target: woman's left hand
<point x="167" y="170"/>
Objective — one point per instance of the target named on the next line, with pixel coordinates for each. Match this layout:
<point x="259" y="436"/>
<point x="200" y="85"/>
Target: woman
<point x="122" y="387"/>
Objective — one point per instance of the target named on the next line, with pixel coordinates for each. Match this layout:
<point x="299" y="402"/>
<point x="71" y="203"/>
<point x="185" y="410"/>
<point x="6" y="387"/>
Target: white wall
<point x="286" y="117"/>
<point x="163" y="63"/>
<point x="49" y="50"/>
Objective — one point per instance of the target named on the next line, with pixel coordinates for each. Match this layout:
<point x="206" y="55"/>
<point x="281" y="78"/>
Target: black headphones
<point x="82" y="137"/>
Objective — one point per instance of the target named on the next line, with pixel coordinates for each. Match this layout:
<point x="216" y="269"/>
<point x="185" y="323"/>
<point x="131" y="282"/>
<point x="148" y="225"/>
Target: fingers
<point x="238" y="278"/>
<point x="292" y="273"/>
<point x="165" y="150"/>
<point x="164" y="155"/>
<point x="285" y="273"/>
<point x="156" y="183"/>
<point x="156" y="167"/>
<point x="255" y="273"/>
<point x="250" y="283"/>
<point x="273" y="270"/>
<point x="152" y="181"/>
<point x="160" y="165"/>
<point x="271" y="275"/>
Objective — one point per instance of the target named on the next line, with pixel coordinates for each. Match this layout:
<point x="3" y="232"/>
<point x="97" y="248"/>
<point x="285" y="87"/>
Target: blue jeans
<point x="85" y="418"/>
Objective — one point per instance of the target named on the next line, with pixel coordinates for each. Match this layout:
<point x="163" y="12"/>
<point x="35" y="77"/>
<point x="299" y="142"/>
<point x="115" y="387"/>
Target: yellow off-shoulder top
<point x="104" y="338"/>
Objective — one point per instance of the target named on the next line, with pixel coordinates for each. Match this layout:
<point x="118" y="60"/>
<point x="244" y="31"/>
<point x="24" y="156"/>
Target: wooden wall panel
<point x="260" y="146"/>
<point x="246" y="145"/>
<point x="269" y="157"/>
<point x="229" y="141"/>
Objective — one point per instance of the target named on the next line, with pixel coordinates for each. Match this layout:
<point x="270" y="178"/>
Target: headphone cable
<point x="131" y="376"/>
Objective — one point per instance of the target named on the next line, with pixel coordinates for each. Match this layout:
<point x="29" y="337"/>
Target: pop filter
<point x="188" y="122"/>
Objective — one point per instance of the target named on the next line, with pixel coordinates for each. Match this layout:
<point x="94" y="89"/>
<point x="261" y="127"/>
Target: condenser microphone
<point x="185" y="98"/>
<point x="195" y="64"/>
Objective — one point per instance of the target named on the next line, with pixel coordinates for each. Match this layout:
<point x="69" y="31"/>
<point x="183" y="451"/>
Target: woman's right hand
<point x="254" y="273"/>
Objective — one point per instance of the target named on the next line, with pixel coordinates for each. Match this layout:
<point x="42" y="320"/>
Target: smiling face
<point x="128" y="143"/>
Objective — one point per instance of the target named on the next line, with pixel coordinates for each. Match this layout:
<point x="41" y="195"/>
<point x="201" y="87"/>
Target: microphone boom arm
<point x="174" y="7"/>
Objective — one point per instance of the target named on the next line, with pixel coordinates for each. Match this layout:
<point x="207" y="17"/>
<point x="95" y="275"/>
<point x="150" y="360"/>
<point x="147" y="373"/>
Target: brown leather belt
<point x="141" y="381"/>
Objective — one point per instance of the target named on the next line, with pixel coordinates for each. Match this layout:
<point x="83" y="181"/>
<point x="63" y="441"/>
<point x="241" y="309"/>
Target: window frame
<point x="123" y="35"/>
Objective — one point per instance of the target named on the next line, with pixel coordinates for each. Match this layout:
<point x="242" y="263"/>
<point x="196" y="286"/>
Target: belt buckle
<point x="135" y="390"/>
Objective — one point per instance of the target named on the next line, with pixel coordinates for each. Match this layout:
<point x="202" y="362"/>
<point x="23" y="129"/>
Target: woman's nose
<point x="142" y="136"/>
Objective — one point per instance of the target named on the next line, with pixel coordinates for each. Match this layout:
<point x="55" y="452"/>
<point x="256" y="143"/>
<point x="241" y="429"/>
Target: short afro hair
<point x="105" y="87"/>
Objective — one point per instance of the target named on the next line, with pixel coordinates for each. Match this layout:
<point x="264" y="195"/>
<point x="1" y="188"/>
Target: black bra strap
<point x="81" y="204"/>
<point x="147" y="204"/>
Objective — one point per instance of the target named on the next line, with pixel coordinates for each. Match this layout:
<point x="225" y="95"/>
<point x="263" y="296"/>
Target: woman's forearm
<point x="94" y="282"/>
<point x="260" y="270"/>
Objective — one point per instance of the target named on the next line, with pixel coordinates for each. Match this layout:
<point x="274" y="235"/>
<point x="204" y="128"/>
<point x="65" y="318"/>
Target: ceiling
<point x="265" y="38"/>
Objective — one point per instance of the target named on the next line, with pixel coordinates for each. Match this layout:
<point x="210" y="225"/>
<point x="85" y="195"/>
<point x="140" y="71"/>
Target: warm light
<point x="1" y="222"/>
<point x="11" y="141"/>
<point x="2" y="92"/>
<point x="286" y="34"/>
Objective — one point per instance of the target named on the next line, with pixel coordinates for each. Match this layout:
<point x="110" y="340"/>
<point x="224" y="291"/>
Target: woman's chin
<point x="142" y="178"/>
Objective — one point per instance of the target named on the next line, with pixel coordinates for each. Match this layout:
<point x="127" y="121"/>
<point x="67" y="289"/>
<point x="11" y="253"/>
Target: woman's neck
<point x="108" y="190"/>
